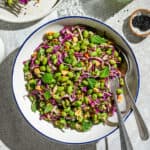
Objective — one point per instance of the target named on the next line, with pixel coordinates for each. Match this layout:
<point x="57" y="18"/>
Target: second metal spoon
<point x="124" y="138"/>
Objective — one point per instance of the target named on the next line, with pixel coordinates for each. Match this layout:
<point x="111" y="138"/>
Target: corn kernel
<point x="78" y="112"/>
<point x="38" y="87"/>
<point x="37" y="71"/>
<point x="64" y="72"/>
<point x="96" y="90"/>
<point x="97" y="63"/>
<point x="50" y="33"/>
<point x="75" y="39"/>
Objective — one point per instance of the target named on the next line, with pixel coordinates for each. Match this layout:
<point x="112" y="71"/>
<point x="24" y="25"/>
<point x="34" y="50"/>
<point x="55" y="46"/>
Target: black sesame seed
<point x="142" y="22"/>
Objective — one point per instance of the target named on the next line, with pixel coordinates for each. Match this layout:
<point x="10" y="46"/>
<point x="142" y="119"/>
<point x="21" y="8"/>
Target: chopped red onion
<point x="77" y="54"/>
<point x="24" y="1"/>
<point x="39" y="82"/>
<point x="53" y="101"/>
<point x="84" y="89"/>
<point x="45" y="46"/>
<point x="56" y="48"/>
<point x="69" y="97"/>
<point x="96" y="58"/>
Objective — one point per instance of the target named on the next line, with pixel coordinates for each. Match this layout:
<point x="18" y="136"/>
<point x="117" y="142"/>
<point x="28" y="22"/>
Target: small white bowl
<point x="135" y="30"/>
<point x="18" y="84"/>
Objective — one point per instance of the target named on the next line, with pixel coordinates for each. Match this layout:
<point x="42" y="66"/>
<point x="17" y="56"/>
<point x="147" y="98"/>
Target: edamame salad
<point x="68" y="76"/>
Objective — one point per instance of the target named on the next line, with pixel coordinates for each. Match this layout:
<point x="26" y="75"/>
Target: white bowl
<point x="30" y="12"/>
<point x="18" y="84"/>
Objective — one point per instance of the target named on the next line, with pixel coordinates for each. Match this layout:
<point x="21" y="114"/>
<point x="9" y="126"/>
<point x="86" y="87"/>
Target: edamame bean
<point x="85" y="82"/>
<point x="119" y="59"/>
<point x="121" y="81"/>
<point x="64" y="78"/>
<point x="32" y="82"/>
<point x="119" y="91"/>
<point x="56" y="96"/>
<point x="83" y="46"/>
<point x="61" y="67"/>
<point x="85" y="34"/>
<point x="70" y="74"/>
<point x="56" y="34"/>
<point x="49" y="37"/>
<point x="116" y="54"/>
<point x="49" y="50"/>
<point x="48" y="69"/>
<point x="112" y="62"/>
<point x="78" y="103"/>
<point x="53" y="57"/>
<point x="64" y="114"/>
<point x="86" y="42"/>
<point x="102" y="85"/>
<point x="99" y="95"/>
<point x="86" y="99"/>
<point x="109" y="51"/>
<point x="76" y="47"/>
<point x="99" y="51"/>
<point x="94" y="96"/>
<point x="92" y="45"/>
<point x="67" y="109"/>
<point x="90" y="91"/>
<point x="69" y="89"/>
<point x="42" y="104"/>
<point x="37" y="61"/>
<point x="67" y="44"/>
<point x="60" y="88"/>
<point x="93" y="54"/>
<point x="42" y="68"/>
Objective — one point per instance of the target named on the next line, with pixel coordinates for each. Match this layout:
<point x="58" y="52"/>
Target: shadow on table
<point x="128" y="34"/>
<point x="102" y="9"/>
<point x="15" y="132"/>
<point x="15" y="26"/>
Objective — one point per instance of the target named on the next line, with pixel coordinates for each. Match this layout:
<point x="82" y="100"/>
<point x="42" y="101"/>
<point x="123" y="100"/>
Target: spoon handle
<point x="106" y="143"/>
<point x="124" y="138"/>
<point x="143" y="130"/>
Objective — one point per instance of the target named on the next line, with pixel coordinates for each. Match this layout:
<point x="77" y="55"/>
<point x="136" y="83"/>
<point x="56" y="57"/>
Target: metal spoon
<point x="124" y="138"/>
<point x="125" y="68"/>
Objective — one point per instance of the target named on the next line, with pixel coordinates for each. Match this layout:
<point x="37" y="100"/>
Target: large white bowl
<point x="18" y="84"/>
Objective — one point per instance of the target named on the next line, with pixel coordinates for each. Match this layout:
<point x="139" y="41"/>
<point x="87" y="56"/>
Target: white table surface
<point x="13" y="35"/>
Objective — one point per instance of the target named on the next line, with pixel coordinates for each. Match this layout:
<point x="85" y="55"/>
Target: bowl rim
<point x="53" y="21"/>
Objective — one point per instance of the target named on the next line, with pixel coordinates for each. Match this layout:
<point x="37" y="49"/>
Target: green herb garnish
<point x="105" y="72"/>
<point x="48" y="78"/>
<point x="96" y="39"/>
<point x="91" y="82"/>
<point x="47" y="95"/>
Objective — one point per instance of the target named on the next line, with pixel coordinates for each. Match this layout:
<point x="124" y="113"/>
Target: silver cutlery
<point x="106" y="143"/>
<point x="15" y="8"/>
<point x="142" y="128"/>
<point x="124" y="138"/>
